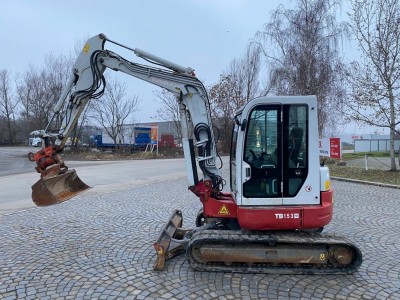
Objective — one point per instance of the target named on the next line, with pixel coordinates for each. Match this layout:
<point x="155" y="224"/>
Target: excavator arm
<point x="87" y="82"/>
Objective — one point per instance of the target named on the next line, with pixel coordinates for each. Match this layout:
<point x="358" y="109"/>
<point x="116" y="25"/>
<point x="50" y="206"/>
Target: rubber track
<point x="232" y="237"/>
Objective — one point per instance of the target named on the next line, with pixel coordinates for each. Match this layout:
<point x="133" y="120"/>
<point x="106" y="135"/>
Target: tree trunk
<point x="392" y="157"/>
<point x="392" y="130"/>
<point x="10" y="133"/>
<point x="398" y="156"/>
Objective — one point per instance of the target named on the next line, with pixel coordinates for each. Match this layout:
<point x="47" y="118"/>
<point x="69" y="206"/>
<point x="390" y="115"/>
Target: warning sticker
<point x="223" y="210"/>
<point x="86" y="48"/>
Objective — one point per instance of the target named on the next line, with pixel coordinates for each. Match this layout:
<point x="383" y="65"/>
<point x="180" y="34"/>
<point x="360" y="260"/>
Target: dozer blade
<point x="171" y="241"/>
<point x="57" y="189"/>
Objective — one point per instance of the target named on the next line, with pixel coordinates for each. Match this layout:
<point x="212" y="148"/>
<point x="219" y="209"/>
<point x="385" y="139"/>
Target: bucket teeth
<point x="51" y="190"/>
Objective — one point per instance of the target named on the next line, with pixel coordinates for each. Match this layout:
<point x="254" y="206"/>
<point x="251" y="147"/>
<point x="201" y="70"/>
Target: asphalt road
<point x="18" y="175"/>
<point x="14" y="160"/>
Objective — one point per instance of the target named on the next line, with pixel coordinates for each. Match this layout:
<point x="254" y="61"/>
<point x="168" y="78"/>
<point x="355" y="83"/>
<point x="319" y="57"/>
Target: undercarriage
<point x="213" y="247"/>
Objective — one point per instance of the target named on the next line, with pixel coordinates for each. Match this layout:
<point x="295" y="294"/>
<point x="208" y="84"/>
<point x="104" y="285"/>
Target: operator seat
<point x="295" y="141"/>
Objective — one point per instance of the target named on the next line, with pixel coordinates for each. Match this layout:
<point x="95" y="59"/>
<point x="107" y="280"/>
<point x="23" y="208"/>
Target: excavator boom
<point x="87" y="82"/>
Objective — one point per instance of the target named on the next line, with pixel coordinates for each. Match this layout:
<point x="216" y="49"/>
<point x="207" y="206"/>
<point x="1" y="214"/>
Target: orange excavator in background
<point x="280" y="196"/>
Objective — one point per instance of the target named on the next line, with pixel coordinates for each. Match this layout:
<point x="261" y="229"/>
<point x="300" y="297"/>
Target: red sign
<point x="334" y="147"/>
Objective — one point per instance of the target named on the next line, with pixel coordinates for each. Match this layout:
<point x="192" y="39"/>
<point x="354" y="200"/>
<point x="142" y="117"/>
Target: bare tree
<point x="244" y="73"/>
<point x="237" y="85"/>
<point x="39" y="89"/>
<point x="31" y="92"/>
<point x="302" y="49"/>
<point x="112" y="110"/>
<point x="84" y="119"/>
<point x="222" y="102"/>
<point x="8" y="104"/>
<point x="170" y="108"/>
<point x="375" y="81"/>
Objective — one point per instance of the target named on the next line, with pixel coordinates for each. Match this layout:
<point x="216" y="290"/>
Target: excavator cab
<point x="274" y="153"/>
<point x="276" y="157"/>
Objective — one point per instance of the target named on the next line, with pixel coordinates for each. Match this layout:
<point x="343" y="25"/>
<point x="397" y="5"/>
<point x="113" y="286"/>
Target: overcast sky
<point x="203" y="34"/>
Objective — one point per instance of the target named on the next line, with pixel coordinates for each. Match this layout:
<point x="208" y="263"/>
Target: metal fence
<point x="380" y="145"/>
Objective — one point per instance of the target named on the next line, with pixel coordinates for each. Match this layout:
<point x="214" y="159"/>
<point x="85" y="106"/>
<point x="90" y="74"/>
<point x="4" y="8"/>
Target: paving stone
<point x="99" y="246"/>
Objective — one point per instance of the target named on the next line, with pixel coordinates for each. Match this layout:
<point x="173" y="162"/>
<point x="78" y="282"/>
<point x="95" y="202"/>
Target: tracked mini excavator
<point x="280" y="196"/>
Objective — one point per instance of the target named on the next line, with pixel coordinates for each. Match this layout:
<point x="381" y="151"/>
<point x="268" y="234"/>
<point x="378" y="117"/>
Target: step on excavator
<point x="280" y="196"/>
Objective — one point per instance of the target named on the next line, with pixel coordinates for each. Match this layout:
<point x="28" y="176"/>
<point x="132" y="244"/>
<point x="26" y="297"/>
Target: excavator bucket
<point x="172" y="240"/>
<point x="55" y="189"/>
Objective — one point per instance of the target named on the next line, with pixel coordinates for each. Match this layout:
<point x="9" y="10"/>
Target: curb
<point x="393" y="186"/>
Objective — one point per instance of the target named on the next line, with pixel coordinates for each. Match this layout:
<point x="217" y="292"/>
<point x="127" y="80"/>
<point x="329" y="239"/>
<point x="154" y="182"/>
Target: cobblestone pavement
<point x="99" y="246"/>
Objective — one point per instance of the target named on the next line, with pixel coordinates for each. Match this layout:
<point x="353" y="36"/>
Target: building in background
<point x="139" y="136"/>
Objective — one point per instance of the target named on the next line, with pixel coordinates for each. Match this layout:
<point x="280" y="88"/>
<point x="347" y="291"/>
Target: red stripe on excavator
<point x="220" y="208"/>
<point x="266" y="218"/>
<point x="272" y="218"/>
<point x="319" y="216"/>
<point x="293" y="217"/>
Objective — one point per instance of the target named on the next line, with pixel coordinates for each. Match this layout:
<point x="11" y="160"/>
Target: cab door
<point x="275" y="155"/>
<point x="262" y="157"/>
